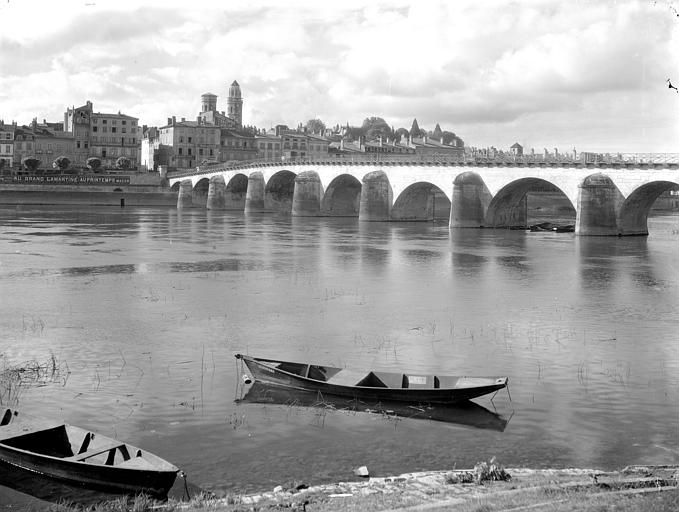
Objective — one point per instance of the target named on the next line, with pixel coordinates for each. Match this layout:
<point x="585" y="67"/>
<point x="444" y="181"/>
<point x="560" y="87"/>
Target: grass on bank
<point x="486" y="488"/>
<point x="525" y="499"/>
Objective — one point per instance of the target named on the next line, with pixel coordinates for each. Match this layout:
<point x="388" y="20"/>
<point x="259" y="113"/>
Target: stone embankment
<point x="442" y="490"/>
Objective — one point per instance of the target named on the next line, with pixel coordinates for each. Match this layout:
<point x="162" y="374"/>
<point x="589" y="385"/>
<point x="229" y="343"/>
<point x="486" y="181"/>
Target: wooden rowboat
<point x="80" y="457"/>
<point x="371" y="385"/>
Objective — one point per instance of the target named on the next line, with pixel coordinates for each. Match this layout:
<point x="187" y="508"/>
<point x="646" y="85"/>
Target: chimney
<point x="169" y="121"/>
<point x="174" y="120"/>
<point x="183" y="119"/>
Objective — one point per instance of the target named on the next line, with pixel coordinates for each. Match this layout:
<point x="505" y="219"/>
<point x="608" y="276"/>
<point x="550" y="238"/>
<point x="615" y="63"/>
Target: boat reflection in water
<point x="464" y="413"/>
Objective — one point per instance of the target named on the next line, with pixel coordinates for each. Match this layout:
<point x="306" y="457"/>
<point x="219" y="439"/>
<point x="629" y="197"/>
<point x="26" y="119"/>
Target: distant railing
<point x="598" y="159"/>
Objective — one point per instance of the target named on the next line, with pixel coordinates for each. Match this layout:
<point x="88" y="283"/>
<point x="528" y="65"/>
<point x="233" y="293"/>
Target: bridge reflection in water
<point x="466" y="414"/>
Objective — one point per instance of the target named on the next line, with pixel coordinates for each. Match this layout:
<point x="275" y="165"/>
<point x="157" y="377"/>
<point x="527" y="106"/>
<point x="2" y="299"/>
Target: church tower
<point x="208" y="102"/>
<point x="235" y="104"/>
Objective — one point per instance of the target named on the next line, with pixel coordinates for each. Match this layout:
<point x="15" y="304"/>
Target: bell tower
<point x="208" y="102"/>
<point x="234" y="104"/>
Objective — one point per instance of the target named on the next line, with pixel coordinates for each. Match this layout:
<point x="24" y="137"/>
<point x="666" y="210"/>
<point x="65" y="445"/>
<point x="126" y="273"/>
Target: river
<point x="144" y="309"/>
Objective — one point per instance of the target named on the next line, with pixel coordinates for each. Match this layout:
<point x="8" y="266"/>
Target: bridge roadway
<point x="609" y="199"/>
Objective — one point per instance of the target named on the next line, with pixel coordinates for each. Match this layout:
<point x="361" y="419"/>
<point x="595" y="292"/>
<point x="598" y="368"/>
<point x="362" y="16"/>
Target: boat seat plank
<point x="96" y="451"/>
<point x="136" y="463"/>
<point x="390" y="380"/>
<point x="348" y="377"/>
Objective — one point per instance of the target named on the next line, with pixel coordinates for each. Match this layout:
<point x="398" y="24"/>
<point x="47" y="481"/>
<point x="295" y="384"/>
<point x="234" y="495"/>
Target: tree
<point x="437" y="133"/>
<point x="61" y="163"/>
<point x="401" y="133"/>
<point x="448" y="137"/>
<point x="376" y="127"/>
<point x="415" y="129"/>
<point x="30" y="164"/>
<point x="315" y="126"/>
<point x="123" y="163"/>
<point x="93" y="163"/>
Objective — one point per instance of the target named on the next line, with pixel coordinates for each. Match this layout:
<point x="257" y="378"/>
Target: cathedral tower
<point x="235" y="104"/>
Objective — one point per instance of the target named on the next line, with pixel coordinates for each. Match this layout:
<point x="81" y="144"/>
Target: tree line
<point x="375" y="127"/>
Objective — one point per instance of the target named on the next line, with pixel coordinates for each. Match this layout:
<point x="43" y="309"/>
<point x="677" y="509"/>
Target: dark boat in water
<point x="466" y="414"/>
<point x="81" y="458"/>
<point x="371" y="385"/>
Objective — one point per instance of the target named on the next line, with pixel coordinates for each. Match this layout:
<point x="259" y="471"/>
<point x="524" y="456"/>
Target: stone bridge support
<point x="376" y="198"/>
<point x="185" y="196"/>
<point x="470" y="201"/>
<point x="216" y="195"/>
<point x="598" y="201"/>
<point x="306" y="198"/>
<point x="254" y="198"/>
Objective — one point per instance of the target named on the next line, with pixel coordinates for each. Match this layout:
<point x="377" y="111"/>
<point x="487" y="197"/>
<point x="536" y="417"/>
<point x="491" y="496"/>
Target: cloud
<point x="497" y="70"/>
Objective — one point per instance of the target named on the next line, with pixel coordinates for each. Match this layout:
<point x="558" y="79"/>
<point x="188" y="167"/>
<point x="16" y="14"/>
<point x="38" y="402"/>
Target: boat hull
<point x="263" y="371"/>
<point x="107" y="479"/>
<point x="80" y="458"/>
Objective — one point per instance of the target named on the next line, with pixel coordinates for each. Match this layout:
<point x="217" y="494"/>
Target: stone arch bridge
<point x="609" y="199"/>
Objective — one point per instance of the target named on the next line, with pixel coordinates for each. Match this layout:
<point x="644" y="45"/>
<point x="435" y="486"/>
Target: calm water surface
<point x="145" y="308"/>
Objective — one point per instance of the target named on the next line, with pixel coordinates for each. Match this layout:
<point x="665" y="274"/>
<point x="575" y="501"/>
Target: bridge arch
<point x="421" y="201"/>
<point x="509" y="208"/>
<point x="342" y="197"/>
<point x="633" y="215"/>
<point x="279" y="192"/>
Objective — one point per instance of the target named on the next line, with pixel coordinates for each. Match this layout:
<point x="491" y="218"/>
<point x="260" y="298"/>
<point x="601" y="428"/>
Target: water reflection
<point x="468" y="414"/>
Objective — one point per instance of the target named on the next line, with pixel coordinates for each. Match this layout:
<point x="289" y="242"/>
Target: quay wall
<point x="93" y="190"/>
<point x="42" y="196"/>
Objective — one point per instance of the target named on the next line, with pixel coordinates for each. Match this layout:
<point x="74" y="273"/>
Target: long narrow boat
<point x="371" y="385"/>
<point x="80" y="457"/>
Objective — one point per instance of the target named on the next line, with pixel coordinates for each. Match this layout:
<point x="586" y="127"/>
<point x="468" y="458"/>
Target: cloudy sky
<point x="591" y="75"/>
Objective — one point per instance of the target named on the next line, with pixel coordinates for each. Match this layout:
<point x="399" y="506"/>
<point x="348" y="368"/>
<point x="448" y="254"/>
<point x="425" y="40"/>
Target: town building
<point x="101" y="135"/>
<point x="237" y="145"/>
<point x="516" y="149"/>
<point x="7" y="134"/>
<point x="268" y="147"/>
<point x="317" y="146"/>
<point x="193" y="143"/>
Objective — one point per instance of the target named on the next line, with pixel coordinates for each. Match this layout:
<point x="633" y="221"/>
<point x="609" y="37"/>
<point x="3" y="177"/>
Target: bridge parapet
<point x="606" y="160"/>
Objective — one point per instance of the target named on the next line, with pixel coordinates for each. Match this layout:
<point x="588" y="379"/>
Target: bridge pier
<point x="376" y="198"/>
<point x="598" y="201"/>
<point x="216" y="195"/>
<point x="254" y="198"/>
<point x="470" y="201"/>
<point x="185" y="196"/>
<point x="306" y="198"/>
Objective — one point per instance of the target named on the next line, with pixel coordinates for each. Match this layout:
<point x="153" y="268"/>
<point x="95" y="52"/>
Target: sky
<point x="590" y="75"/>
